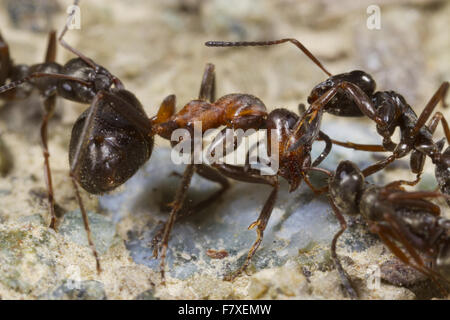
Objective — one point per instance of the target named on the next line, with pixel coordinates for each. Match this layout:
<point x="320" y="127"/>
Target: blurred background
<point x="157" y="48"/>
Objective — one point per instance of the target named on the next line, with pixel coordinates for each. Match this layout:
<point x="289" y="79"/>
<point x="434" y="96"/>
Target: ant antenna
<point x="68" y="47"/>
<point x="297" y="43"/>
<point x="16" y="83"/>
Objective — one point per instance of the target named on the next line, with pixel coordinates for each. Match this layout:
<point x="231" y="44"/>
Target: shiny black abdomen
<point x="115" y="150"/>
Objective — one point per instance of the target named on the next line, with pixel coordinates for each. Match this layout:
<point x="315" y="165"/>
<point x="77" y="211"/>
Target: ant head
<point x="443" y="260"/>
<point x="113" y="148"/>
<point x="340" y="104"/>
<point x="92" y="78"/>
<point x="346" y="186"/>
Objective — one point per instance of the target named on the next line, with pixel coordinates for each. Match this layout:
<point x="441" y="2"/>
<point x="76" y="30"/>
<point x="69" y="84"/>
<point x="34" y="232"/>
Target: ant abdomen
<point x="243" y="111"/>
<point x="116" y="149"/>
<point x="340" y="104"/>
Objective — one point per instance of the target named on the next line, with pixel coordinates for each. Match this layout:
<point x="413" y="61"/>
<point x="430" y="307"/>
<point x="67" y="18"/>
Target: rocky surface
<point x="156" y="48"/>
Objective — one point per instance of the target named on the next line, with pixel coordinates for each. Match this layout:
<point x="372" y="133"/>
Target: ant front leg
<point x="208" y="85"/>
<point x="326" y="151"/>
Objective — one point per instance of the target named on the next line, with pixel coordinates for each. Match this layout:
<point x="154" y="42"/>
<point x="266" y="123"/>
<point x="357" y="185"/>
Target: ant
<point x="242" y="111"/>
<point x="109" y="141"/>
<point x="353" y="94"/>
<point x="395" y="215"/>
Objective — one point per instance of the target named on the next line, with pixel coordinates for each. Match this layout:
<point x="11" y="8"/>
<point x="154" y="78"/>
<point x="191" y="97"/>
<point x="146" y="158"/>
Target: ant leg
<point x="79" y="151"/>
<point x="342" y="273"/>
<point x="314" y="189"/>
<point x="50" y="54"/>
<point x="361" y="147"/>
<point x="440" y="95"/>
<point x="326" y="151"/>
<point x="212" y="175"/>
<point x="260" y="224"/>
<point x="166" y="110"/>
<point x="207" y="173"/>
<point x="438" y="116"/>
<point x="208" y="85"/>
<point x="378" y="166"/>
<point x="49" y="107"/>
<point x="252" y="176"/>
<point x="176" y="206"/>
<point x="295" y="42"/>
<point x="5" y="61"/>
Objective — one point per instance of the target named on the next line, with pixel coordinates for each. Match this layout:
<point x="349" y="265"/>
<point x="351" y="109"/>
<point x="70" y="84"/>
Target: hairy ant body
<point x="353" y="94"/>
<point x="395" y="215"/>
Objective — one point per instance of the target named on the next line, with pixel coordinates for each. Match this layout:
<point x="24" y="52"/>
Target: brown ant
<point x="243" y="111"/>
<point x="395" y="215"/>
<point x="353" y="94"/>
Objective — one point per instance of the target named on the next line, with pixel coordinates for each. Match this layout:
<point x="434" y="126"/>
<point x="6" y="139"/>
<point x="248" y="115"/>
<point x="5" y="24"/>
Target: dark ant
<point x="395" y="215"/>
<point x="353" y="94"/>
<point x="109" y="141"/>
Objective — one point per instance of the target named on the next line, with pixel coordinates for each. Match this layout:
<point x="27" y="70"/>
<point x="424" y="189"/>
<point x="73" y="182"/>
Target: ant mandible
<point x="395" y="215"/>
<point x="353" y="94"/>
